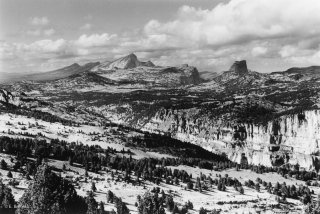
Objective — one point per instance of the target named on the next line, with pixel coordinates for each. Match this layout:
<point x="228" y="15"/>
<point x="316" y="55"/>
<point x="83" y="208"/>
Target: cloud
<point x="288" y="51"/>
<point x="47" y="46"/>
<point x="39" y="32"/>
<point x="86" y="26"/>
<point x="95" y="40"/>
<point x="39" y="21"/>
<point x="241" y="21"/>
<point x="39" y="25"/>
<point x="59" y="48"/>
<point x="259" y="51"/>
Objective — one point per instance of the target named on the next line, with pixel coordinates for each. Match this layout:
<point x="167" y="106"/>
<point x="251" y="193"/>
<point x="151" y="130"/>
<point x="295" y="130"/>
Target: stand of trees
<point x="40" y="115"/>
<point x="50" y="194"/>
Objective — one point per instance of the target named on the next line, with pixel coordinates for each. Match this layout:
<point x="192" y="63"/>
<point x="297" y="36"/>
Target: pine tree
<point x="110" y="196"/>
<point x="169" y="202"/>
<point x="9" y="174"/>
<point x="6" y="197"/>
<point x="101" y="208"/>
<point x="121" y="207"/>
<point x="3" y="165"/>
<point x="93" y="187"/>
<point x="241" y="190"/>
<point x="91" y="203"/>
<point x="202" y="211"/>
<point x="190" y="185"/>
<point x="175" y="209"/>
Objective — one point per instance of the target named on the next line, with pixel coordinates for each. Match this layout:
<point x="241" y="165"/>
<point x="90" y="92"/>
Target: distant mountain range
<point x="131" y="62"/>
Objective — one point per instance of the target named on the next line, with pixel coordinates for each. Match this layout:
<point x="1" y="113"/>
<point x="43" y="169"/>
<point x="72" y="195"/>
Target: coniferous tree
<point x="101" y="208"/>
<point x="202" y="211"/>
<point x="169" y="202"/>
<point x="9" y="174"/>
<point x="121" y="207"/>
<point x="6" y="197"/>
<point x="93" y="187"/>
<point x="91" y="203"/>
<point x="3" y="165"/>
<point x="175" y="209"/>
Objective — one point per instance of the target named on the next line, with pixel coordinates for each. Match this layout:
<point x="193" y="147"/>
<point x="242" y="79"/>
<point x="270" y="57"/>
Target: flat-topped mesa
<point x="239" y="67"/>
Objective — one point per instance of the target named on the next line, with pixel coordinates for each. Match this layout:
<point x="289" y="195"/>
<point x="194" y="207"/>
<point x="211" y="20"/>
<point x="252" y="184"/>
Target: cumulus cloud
<point x="95" y="40"/>
<point x="241" y="21"/>
<point x="39" y="21"/>
<point x="245" y="29"/>
<point x="59" y="48"/>
<point x="288" y="51"/>
<point x="47" y="46"/>
<point x="259" y="51"/>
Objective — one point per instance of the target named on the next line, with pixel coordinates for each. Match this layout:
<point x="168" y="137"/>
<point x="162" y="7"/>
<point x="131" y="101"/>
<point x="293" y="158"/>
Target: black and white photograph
<point x="159" y="106"/>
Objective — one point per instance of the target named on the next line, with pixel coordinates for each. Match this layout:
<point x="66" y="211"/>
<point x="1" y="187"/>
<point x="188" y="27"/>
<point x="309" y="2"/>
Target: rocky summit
<point x="239" y="67"/>
<point x="126" y="62"/>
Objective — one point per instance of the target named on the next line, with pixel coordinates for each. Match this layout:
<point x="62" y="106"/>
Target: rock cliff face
<point x="293" y="139"/>
<point x="239" y="67"/>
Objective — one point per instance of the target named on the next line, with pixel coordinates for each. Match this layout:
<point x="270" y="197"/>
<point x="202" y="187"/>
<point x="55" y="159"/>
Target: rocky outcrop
<point x="189" y="75"/>
<point x="127" y="62"/>
<point x="7" y="98"/>
<point x="239" y="67"/>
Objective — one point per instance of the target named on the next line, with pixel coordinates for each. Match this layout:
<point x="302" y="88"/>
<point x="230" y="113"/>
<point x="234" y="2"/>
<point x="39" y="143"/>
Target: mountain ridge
<point x="126" y="62"/>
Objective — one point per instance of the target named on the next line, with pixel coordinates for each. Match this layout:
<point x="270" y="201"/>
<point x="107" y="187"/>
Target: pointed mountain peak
<point x="239" y="67"/>
<point x="132" y="55"/>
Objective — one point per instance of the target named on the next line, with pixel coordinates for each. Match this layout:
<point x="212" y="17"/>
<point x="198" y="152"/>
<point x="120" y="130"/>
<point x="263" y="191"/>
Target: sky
<point x="272" y="35"/>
